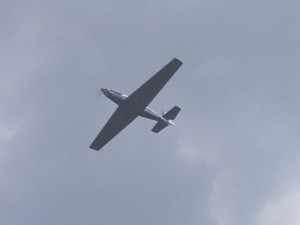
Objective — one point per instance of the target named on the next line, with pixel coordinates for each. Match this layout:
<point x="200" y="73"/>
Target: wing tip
<point x="96" y="148"/>
<point x="177" y="61"/>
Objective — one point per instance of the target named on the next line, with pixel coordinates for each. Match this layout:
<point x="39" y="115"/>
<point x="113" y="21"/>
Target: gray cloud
<point x="232" y="158"/>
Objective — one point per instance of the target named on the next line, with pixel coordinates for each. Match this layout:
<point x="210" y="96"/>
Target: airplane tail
<point x="172" y="113"/>
<point x="169" y="116"/>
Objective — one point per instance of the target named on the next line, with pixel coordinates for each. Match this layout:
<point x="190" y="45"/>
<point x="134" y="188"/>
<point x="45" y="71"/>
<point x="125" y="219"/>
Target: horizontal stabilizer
<point x="169" y="116"/>
<point x="172" y="113"/>
<point x="158" y="127"/>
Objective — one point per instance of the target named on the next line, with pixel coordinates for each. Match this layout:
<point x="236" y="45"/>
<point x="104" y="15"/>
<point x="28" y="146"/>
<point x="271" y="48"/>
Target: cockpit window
<point x="116" y="92"/>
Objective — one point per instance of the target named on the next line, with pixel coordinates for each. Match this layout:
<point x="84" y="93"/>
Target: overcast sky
<point x="232" y="159"/>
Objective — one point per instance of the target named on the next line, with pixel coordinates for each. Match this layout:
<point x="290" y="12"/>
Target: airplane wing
<point x="117" y="122"/>
<point x="146" y="93"/>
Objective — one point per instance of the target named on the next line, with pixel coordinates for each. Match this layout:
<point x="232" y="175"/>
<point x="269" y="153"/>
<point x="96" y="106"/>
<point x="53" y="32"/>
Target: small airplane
<point x="136" y="104"/>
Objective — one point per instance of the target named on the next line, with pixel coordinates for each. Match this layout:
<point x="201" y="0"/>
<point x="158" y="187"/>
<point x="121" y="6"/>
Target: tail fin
<point x="170" y="115"/>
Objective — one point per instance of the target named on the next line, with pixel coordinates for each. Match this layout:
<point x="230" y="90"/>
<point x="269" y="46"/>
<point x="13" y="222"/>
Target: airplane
<point x="136" y="104"/>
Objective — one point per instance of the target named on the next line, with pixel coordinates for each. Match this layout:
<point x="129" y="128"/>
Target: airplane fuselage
<point x="136" y="104"/>
<point x="122" y="99"/>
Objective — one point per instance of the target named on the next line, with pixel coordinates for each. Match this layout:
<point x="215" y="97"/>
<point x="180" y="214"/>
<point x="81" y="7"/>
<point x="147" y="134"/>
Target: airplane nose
<point x="104" y="90"/>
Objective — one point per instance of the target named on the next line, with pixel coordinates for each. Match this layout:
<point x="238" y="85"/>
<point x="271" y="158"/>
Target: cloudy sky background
<point x="233" y="157"/>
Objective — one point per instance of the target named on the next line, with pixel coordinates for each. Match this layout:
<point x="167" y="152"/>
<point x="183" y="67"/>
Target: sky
<point x="233" y="157"/>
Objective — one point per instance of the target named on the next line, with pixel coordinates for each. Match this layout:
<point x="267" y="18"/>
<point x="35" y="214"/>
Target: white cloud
<point x="7" y="133"/>
<point x="282" y="210"/>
